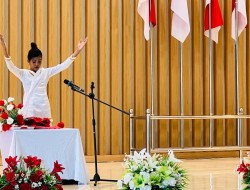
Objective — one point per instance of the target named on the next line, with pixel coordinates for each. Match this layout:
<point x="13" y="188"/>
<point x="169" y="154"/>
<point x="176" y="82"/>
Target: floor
<point x="204" y="174"/>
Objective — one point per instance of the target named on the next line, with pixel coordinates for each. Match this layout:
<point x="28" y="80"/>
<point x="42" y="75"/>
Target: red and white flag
<point x="148" y="15"/>
<point x="180" y="20"/>
<point x="216" y="19"/>
<point x="242" y="17"/>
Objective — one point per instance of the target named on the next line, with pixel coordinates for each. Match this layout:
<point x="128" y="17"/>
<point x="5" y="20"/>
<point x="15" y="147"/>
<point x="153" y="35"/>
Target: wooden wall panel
<point x="115" y="74"/>
<point x="162" y="77"/>
<point x="218" y="75"/>
<point x="139" y="78"/>
<point x="65" y="51"/>
<point x="128" y="67"/>
<point x="197" y="72"/>
<point x="79" y="65"/>
<point x="247" y="71"/>
<point x="13" y="45"/>
<point x="229" y="77"/>
<point x="117" y="59"/>
<point x="54" y="57"/>
<point x="103" y="122"/>
<point x="2" y="66"/>
<point x="90" y="59"/>
<point x="26" y="32"/>
<point x="187" y="85"/>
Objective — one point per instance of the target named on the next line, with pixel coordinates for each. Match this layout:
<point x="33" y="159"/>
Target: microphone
<point x="72" y="85"/>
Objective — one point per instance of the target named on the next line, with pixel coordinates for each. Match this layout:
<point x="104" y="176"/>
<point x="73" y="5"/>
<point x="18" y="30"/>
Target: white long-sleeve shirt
<point x="35" y="99"/>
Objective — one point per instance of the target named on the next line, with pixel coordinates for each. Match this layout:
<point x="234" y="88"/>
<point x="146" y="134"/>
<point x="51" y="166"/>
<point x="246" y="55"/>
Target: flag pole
<point x="237" y="73"/>
<point x="181" y="93"/>
<point x="152" y="84"/>
<point x="152" y="81"/>
<point x="210" y="77"/>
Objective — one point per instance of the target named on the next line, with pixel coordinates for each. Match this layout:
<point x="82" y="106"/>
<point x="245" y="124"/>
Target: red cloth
<point x="216" y="17"/>
<point x="152" y="15"/>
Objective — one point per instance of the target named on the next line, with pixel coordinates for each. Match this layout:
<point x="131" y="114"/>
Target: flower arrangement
<point x="27" y="174"/>
<point x="12" y="115"/>
<point x="145" y="172"/>
<point x="244" y="168"/>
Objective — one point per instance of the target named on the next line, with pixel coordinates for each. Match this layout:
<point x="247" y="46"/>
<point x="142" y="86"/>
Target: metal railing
<point x="150" y="136"/>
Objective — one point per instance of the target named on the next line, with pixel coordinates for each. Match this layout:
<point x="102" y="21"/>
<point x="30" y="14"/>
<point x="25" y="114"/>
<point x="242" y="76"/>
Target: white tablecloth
<point x="63" y="145"/>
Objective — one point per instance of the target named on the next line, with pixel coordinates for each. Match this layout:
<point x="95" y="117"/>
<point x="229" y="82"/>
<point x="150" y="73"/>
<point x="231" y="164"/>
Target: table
<point x="50" y="145"/>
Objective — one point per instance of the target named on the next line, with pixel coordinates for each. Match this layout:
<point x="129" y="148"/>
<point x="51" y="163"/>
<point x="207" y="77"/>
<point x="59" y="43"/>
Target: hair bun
<point x="33" y="45"/>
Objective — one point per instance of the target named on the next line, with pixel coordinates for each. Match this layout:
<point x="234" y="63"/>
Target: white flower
<point x="169" y="182"/>
<point x="131" y="184"/>
<point x="127" y="178"/>
<point x="10" y="99"/>
<point x="171" y="157"/>
<point x="146" y="187"/>
<point x="20" y="111"/>
<point x="10" y="107"/>
<point x="1" y="127"/>
<point x="134" y="167"/>
<point x="16" y="187"/>
<point x="119" y="184"/>
<point x="34" y="185"/>
<point x="10" y="120"/>
<point x="152" y="162"/>
<point x="146" y="176"/>
<point x="39" y="184"/>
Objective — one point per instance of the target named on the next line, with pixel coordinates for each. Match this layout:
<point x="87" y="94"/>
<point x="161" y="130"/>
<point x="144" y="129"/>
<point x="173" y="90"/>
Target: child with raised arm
<point x="35" y="79"/>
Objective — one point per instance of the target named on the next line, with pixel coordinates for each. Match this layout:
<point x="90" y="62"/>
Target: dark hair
<point x="34" y="51"/>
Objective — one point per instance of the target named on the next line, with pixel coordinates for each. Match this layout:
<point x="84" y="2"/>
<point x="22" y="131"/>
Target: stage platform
<point x="204" y="174"/>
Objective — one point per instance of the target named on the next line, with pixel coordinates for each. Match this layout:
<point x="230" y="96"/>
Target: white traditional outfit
<point x="35" y="99"/>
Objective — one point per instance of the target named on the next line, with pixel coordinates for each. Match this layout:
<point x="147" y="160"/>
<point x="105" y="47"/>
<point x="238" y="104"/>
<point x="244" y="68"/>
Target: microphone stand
<point x="91" y="95"/>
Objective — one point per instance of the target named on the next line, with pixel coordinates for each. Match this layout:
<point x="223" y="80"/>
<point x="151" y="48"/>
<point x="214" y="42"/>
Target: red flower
<point x="32" y="161"/>
<point x="20" y="106"/>
<point x="10" y="177"/>
<point x="60" y="124"/>
<point x="57" y="167"/>
<point x="6" y="127"/>
<point x="37" y="176"/>
<point x="45" y="122"/>
<point x="4" y="115"/>
<point x="20" y="120"/>
<point x="44" y="187"/>
<point x="7" y="170"/>
<point x="1" y="103"/>
<point x="58" y="187"/>
<point x="57" y="177"/>
<point x="36" y="121"/>
<point x="8" y="187"/>
<point x="243" y="168"/>
<point x="25" y="186"/>
<point x="12" y="162"/>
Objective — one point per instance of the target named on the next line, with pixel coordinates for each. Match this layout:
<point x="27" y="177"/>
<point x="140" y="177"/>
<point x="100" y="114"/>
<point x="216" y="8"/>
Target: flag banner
<point x="152" y="16"/>
<point x="148" y="15"/>
<point x="242" y="17"/>
<point x="216" y="19"/>
<point x="180" y="20"/>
